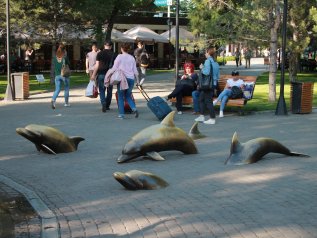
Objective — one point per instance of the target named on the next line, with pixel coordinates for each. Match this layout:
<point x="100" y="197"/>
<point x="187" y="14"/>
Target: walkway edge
<point x="49" y="227"/>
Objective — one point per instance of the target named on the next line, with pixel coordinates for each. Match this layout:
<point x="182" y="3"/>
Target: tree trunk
<point x="110" y="23"/>
<point x="293" y="66"/>
<point x="275" y="23"/>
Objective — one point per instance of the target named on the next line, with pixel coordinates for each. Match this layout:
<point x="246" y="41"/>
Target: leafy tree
<point x="257" y="23"/>
<point x="100" y="13"/>
<point x="300" y="24"/>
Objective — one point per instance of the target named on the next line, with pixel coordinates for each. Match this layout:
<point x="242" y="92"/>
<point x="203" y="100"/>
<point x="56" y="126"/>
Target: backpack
<point x="144" y="60"/>
<point x="236" y="92"/>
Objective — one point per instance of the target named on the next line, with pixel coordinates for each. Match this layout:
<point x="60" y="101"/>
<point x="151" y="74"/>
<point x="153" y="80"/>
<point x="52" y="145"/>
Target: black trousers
<point x="205" y="100"/>
<point x="178" y="93"/>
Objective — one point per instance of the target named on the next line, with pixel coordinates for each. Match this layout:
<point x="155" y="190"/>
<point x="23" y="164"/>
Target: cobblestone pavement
<point x="276" y="197"/>
<point x="17" y="217"/>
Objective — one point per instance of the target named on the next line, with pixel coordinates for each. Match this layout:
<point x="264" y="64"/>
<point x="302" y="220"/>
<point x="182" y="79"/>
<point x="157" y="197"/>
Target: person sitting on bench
<point x="185" y="86"/>
<point x="227" y="92"/>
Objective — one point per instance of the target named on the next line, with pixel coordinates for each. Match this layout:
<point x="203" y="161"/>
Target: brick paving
<point x="275" y="197"/>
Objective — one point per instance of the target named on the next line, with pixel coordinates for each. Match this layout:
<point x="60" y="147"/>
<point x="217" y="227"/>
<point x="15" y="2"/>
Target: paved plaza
<point x="76" y="195"/>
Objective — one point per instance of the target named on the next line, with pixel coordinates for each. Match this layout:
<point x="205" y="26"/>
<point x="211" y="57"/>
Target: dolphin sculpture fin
<point x="194" y="133"/>
<point x="169" y="120"/>
<point x="298" y="154"/>
<point x="154" y="155"/>
<point x="46" y="149"/>
<point x="76" y="140"/>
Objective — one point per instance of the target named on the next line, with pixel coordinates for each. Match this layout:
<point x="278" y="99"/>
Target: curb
<point x="49" y="226"/>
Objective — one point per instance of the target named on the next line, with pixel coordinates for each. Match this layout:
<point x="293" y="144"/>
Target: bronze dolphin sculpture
<point x="160" y="137"/>
<point x="49" y="139"/>
<point x="136" y="179"/>
<point x="253" y="150"/>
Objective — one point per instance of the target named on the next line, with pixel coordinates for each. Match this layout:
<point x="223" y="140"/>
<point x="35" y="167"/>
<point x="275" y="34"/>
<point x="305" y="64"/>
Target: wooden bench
<point x="239" y="102"/>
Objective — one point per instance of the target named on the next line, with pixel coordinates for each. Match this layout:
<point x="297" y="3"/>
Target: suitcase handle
<point x="144" y="94"/>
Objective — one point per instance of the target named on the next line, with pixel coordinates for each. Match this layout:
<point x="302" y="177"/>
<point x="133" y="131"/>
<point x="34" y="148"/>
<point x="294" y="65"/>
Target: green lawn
<point x="258" y="103"/>
<point x="261" y="92"/>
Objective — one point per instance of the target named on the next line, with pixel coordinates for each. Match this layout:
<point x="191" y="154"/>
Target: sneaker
<point x="179" y="112"/>
<point x="214" y="102"/>
<point x="210" y="121"/>
<point x="66" y="105"/>
<point x="201" y="118"/>
<point x="53" y="105"/>
<point x="195" y="113"/>
<point x="120" y="117"/>
<point x="136" y="114"/>
<point x="221" y="114"/>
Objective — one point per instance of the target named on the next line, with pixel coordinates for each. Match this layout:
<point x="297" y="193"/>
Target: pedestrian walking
<point x="91" y="59"/>
<point x="104" y="61"/>
<point x="60" y="60"/>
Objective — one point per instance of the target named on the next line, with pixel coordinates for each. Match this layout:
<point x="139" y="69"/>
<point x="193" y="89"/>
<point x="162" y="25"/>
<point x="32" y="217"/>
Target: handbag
<point x="65" y="71"/>
<point x="116" y="77"/>
<point x="206" y="81"/>
<point x="91" y="90"/>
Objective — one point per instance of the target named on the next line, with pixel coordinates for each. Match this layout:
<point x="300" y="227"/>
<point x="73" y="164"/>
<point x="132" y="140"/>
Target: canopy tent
<point x="118" y="36"/>
<point x="145" y="34"/>
<point x="183" y="34"/>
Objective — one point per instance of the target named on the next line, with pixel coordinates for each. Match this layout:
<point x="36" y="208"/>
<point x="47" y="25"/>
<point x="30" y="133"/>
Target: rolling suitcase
<point x="127" y="108"/>
<point x="158" y="105"/>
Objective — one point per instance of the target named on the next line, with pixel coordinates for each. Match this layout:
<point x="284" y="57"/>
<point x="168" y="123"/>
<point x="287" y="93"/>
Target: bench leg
<point x="241" y="111"/>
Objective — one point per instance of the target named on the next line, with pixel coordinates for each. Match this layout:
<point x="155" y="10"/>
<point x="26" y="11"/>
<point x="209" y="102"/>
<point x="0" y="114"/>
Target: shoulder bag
<point x="65" y="71"/>
<point x="206" y="81"/>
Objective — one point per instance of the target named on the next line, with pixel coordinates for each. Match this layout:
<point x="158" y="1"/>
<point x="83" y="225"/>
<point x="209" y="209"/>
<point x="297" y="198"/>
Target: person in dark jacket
<point x="104" y="61"/>
<point x="184" y="86"/>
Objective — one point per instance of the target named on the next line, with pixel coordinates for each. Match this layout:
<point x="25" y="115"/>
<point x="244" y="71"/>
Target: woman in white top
<point x="227" y="92"/>
<point x="127" y="64"/>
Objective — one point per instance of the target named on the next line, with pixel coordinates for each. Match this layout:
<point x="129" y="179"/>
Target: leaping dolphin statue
<point x="253" y="150"/>
<point x="136" y="179"/>
<point x="160" y="137"/>
<point x="49" y="139"/>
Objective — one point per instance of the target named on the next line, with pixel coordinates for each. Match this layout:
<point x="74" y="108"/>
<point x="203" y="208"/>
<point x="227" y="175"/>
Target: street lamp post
<point x="281" y="105"/>
<point x="9" y="91"/>
<point x="169" y="23"/>
<point x="177" y="40"/>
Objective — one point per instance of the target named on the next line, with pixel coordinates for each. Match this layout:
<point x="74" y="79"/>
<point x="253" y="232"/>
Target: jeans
<point x="105" y="101"/>
<point x="180" y="91"/>
<point x="58" y="80"/>
<point x="142" y="73"/>
<point x="205" y="99"/>
<point x="223" y="97"/>
<point x="195" y="95"/>
<point x="126" y="95"/>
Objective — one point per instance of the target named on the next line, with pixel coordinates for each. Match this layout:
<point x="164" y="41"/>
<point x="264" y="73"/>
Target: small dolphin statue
<point x="253" y="150"/>
<point x="136" y="179"/>
<point x="160" y="137"/>
<point x="49" y="139"/>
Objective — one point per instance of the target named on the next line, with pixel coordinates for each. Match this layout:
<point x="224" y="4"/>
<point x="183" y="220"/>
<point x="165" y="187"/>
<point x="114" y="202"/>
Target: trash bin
<point x="20" y="85"/>
<point x="302" y="97"/>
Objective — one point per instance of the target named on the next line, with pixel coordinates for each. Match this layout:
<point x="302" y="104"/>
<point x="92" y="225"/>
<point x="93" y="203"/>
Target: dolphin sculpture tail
<point x="76" y="140"/>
